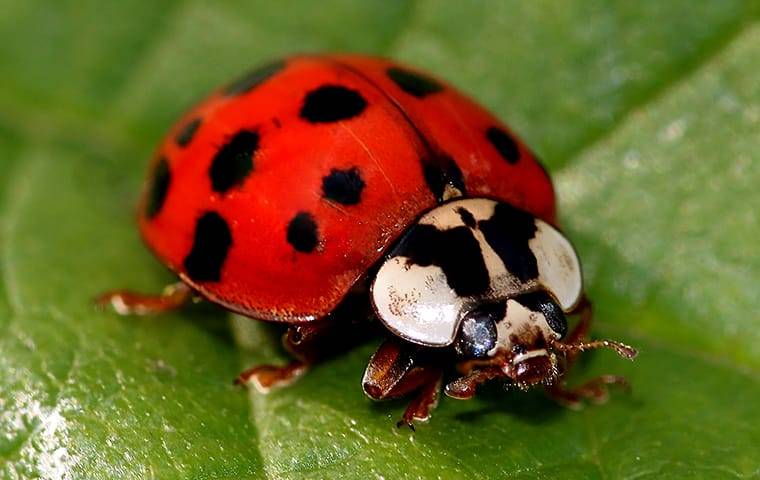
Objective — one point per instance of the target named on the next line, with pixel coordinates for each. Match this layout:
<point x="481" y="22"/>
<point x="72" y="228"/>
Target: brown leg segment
<point x="308" y="343"/>
<point x="303" y="342"/>
<point x="427" y="382"/>
<point x="389" y="365"/>
<point x="266" y="377"/>
<point x="126" y="302"/>
<point x="464" y="388"/>
<point x="581" y="330"/>
<point x="594" y="390"/>
<point x="392" y="373"/>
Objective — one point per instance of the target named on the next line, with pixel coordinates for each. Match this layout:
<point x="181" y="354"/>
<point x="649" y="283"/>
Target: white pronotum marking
<point x="417" y="304"/>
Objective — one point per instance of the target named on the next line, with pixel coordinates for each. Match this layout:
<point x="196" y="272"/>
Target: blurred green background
<point x="646" y="112"/>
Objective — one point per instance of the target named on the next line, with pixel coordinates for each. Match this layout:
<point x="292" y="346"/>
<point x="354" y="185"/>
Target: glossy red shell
<point x="262" y="275"/>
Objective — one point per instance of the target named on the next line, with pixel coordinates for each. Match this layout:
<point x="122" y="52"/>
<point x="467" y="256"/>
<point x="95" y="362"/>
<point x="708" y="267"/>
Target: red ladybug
<point x="327" y="191"/>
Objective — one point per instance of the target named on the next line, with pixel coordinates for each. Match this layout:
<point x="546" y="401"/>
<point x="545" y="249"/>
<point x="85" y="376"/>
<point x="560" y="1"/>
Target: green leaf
<point x="647" y="114"/>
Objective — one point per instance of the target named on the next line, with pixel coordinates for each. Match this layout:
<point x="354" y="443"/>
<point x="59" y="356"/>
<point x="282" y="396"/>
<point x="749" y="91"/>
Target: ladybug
<point x="331" y="193"/>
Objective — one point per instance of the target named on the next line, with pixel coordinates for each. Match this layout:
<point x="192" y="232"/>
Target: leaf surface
<point x="646" y="113"/>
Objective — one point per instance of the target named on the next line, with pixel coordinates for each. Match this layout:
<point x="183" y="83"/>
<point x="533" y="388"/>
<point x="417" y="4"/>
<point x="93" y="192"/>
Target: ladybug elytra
<point x="327" y="192"/>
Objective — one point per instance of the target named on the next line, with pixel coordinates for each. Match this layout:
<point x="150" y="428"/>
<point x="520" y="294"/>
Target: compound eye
<point x="543" y="303"/>
<point x="477" y="334"/>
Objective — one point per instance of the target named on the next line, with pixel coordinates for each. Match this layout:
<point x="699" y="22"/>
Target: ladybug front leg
<point x="465" y="387"/>
<point x="126" y="302"/>
<point x="394" y="372"/>
<point x="594" y="390"/>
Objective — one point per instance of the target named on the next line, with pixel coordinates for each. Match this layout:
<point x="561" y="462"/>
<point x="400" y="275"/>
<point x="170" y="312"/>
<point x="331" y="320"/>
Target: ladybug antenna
<point x="625" y="351"/>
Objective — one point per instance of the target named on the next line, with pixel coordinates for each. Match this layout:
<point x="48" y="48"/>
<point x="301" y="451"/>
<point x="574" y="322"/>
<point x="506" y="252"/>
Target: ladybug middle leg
<point x="594" y="390"/>
<point x="126" y="302"/>
<point x="305" y="343"/>
<point x="311" y="342"/>
<point x="394" y="371"/>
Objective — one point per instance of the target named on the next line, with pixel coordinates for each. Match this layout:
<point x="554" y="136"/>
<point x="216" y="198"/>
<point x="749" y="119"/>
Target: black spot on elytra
<point x="331" y="103"/>
<point x="302" y="232"/>
<point x="504" y="144"/>
<point x="234" y="161"/>
<point x="467" y="217"/>
<point x="343" y="186"/>
<point x="158" y="187"/>
<point x="254" y="78"/>
<point x="455" y="251"/>
<point x="541" y="302"/>
<point x="413" y="83"/>
<point x="508" y="232"/>
<point x="211" y="243"/>
<point x="441" y="171"/>
<point x="187" y="132"/>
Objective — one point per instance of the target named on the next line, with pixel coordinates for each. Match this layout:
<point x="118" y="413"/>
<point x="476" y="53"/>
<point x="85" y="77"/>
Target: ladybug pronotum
<point x="333" y="193"/>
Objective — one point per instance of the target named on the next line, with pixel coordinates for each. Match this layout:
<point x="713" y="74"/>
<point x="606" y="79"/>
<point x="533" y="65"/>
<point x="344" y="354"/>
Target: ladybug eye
<point x="477" y="335"/>
<point x="543" y="303"/>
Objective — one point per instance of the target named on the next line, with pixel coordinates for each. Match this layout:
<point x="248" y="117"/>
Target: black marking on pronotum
<point x="455" y="251"/>
<point x="508" y="232"/>
<point x="442" y="171"/>
<point x="467" y="217"/>
<point x="254" y="78"/>
<point x="541" y="302"/>
<point x="413" y="83"/>
<point x="331" y="103"/>
<point x="234" y="161"/>
<point x="158" y="187"/>
<point x="187" y="132"/>
<point x="477" y="333"/>
<point x="504" y="144"/>
<point x="343" y="186"/>
<point x="302" y="232"/>
<point x="210" y="246"/>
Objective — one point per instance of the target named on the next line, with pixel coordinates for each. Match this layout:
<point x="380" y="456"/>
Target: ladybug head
<point x="520" y="340"/>
<point x="515" y="336"/>
<point x="489" y="281"/>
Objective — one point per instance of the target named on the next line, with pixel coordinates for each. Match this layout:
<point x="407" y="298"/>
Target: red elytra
<point x="397" y="138"/>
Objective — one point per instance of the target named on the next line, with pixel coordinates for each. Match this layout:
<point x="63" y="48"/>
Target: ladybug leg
<point x="311" y="342"/>
<point x="464" y="388"/>
<point x="594" y="390"/>
<point x="427" y="382"/>
<point x="126" y="302"/>
<point x="266" y="377"/>
<point x="581" y="330"/>
<point x="307" y="343"/>
<point x="393" y="372"/>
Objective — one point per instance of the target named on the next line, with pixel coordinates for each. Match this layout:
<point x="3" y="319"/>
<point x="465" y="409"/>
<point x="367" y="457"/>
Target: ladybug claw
<point x="406" y="422"/>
